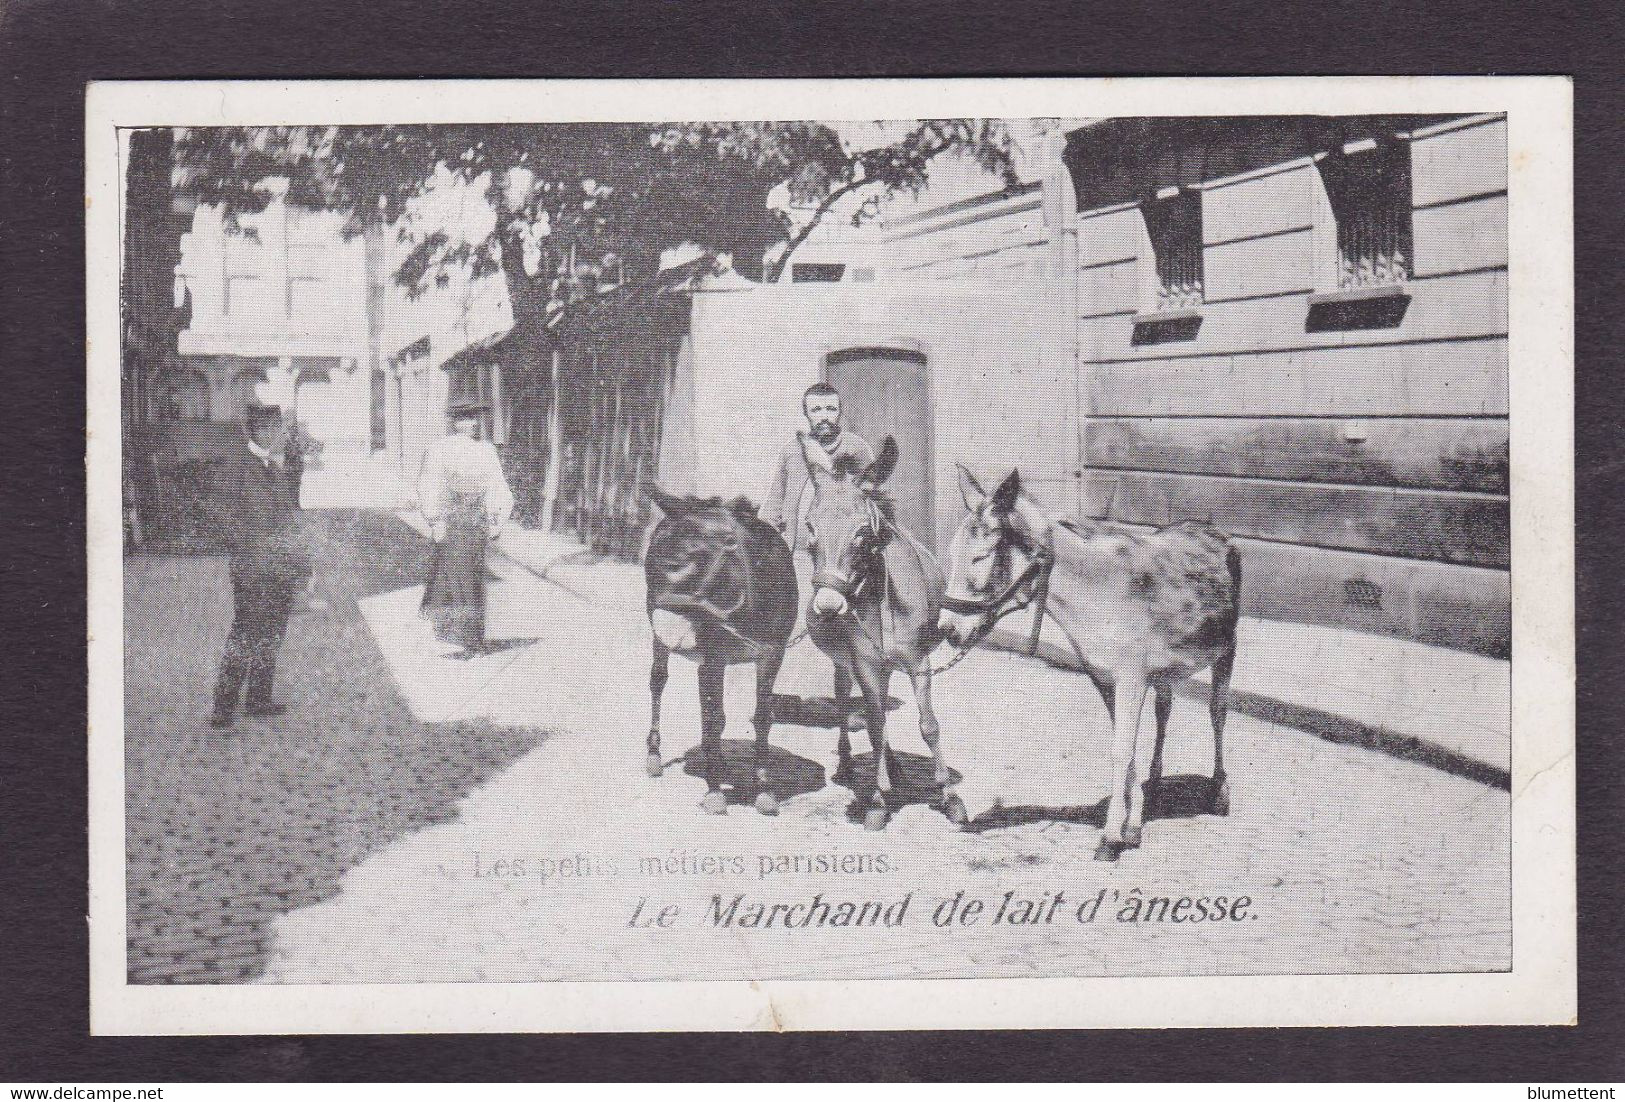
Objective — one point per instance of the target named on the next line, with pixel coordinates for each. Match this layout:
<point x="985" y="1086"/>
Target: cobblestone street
<point x="572" y="864"/>
<point x="226" y="830"/>
<point x="407" y="820"/>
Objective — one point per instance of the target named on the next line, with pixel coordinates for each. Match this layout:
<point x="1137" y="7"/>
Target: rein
<point x="851" y="590"/>
<point x="1040" y="565"/>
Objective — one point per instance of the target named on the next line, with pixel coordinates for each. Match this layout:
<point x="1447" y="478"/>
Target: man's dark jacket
<point x="254" y="509"/>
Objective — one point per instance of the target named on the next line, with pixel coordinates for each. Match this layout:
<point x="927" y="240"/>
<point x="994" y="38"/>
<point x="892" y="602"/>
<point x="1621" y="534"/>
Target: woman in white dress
<point x="466" y="500"/>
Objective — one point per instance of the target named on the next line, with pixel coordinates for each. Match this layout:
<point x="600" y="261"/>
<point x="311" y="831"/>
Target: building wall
<point x="280" y="317"/>
<point x="1364" y="468"/>
<point x="1003" y="388"/>
<point x="908" y="231"/>
<point x="416" y="410"/>
<point x="988" y="237"/>
<point x="979" y="283"/>
<point x="464" y="310"/>
<point x="297" y="316"/>
<point x="1367" y="467"/>
<point x="418" y="333"/>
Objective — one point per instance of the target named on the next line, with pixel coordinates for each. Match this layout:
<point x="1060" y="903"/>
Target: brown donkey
<point x="1142" y="611"/>
<point x="876" y="596"/>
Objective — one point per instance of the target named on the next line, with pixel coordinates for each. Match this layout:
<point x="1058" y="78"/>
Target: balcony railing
<point x="1374" y="248"/>
<point x="1179" y="276"/>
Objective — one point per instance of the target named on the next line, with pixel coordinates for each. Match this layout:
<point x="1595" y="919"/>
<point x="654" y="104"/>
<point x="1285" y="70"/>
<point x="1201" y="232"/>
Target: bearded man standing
<point x="789" y="492"/>
<point x="789" y="495"/>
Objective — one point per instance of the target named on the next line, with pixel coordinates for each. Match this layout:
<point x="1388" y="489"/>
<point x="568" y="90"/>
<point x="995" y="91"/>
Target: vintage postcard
<point x="728" y="555"/>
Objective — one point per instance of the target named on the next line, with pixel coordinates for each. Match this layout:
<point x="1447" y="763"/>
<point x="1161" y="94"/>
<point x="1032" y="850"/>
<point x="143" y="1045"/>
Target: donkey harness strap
<point x="888" y="614"/>
<point x="1038" y="568"/>
<point x="699" y="597"/>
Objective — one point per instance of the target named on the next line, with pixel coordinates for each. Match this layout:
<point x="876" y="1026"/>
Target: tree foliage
<point x="577" y="208"/>
<point x="577" y="204"/>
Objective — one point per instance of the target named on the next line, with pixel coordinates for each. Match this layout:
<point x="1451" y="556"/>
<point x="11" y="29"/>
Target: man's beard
<point x="825" y="431"/>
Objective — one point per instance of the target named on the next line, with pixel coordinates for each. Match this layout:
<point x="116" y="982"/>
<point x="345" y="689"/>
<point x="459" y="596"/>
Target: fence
<point x="613" y="397"/>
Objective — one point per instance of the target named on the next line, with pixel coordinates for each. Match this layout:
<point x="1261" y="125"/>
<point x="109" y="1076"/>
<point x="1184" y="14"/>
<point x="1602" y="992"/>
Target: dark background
<point x="50" y="48"/>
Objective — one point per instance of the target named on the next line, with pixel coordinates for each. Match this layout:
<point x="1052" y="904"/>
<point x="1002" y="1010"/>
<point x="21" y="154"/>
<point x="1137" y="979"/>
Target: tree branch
<point x="823" y="208"/>
<point x="874" y="165"/>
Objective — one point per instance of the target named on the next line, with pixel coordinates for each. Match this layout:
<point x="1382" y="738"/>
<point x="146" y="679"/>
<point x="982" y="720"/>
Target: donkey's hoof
<point x="1221" y="798"/>
<point x="843" y="772"/>
<point x="715" y="803"/>
<point x="1108" y="850"/>
<point x="767" y="803"/>
<point x="876" y="818"/>
<point x="954" y="808"/>
<point x="1131" y="837"/>
<point x="654" y="766"/>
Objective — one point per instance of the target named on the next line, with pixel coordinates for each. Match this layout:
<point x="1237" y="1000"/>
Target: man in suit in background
<point x="253" y="505"/>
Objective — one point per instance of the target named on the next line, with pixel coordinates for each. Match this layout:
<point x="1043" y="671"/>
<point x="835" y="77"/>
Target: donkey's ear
<point x="1004" y="498"/>
<point x="882" y="467"/>
<point x="970" y="489"/>
<point x="670" y="504"/>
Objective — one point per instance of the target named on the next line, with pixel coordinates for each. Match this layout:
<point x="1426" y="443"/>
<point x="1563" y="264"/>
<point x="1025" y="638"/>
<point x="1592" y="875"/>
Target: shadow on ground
<point x="790" y="775"/>
<point x="493" y="646"/>
<point x="1344" y="731"/>
<point x="1182" y="796"/>
<point x="818" y="711"/>
<point x="227" y="830"/>
<point x="913" y="781"/>
<point x="1333" y="728"/>
<point x="734" y="768"/>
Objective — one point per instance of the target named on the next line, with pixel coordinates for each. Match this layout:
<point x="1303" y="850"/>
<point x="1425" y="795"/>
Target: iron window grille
<point x="1173" y="221"/>
<point x="1369" y="186"/>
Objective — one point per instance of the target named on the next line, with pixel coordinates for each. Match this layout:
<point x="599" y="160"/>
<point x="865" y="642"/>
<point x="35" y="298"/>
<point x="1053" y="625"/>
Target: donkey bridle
<point x="1035" y="579"/>
<point x="697" y="600"/>
<point x="880" y="530"/>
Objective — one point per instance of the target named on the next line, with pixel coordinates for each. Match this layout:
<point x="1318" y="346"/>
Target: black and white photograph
<point x="615" y="554"/>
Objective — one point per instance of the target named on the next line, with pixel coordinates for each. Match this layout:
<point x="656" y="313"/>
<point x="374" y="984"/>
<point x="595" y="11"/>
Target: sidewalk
<point x="1446" y="708"/>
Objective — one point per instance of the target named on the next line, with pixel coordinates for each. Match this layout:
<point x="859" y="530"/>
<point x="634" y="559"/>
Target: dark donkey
<point x="876" y="597"/>
<point x="722" y="590"/>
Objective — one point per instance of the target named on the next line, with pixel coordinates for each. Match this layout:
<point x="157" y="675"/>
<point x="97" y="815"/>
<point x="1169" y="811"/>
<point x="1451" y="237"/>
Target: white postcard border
<point x="1540" y="988"/>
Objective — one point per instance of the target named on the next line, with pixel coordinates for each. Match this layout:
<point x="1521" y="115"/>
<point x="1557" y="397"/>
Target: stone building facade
<point x="296" y="315"/>
<point x="1294" y="328"/>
